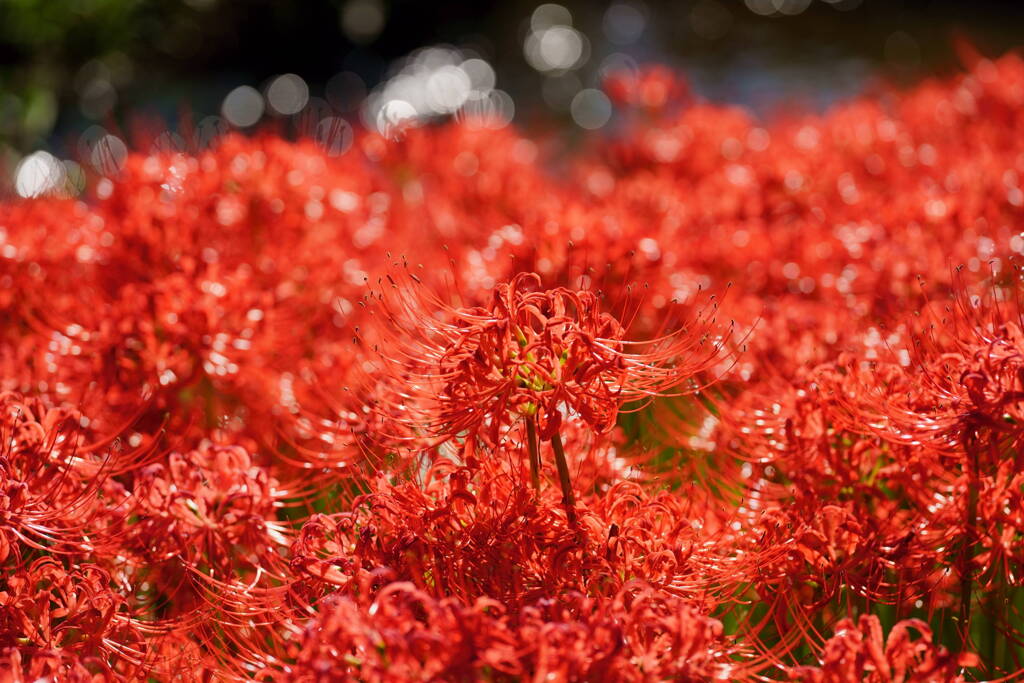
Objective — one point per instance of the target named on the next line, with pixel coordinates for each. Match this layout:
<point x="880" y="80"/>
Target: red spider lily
<point x="213" y="508"/>
<point x="50" y="610"/>
<point x="532" y="354"/>
<point x="47" y="665"/>
<point x="54" y="489"/>
<point x="858" y="652"/>
<point x="637" y="636"/>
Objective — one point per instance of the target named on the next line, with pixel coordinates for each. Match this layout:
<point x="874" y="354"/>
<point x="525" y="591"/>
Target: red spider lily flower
<point x="638" y="636"/>
<point x="54" y="488"/>
<point x="209" y="507"/>
<point x="650" y="88"/>
<point x="403" y="635"/>
<point x="857" y="651"/>
<point x="537" y="355"/>
<point x="950" y="408"/>
<point x="49" y="609"/>
<point x="476" y="532"/>
<point x="19" y="665"/>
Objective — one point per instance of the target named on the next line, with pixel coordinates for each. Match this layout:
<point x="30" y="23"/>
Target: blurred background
<point x="75" y="73"/>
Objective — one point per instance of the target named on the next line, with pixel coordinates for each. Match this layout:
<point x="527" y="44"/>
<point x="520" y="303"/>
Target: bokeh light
<point x="287" y="94"/>
<point x="334" y="135"/>
<point x="204" y="58"/>
<point x="591" y="109"/>
<point x="243" y="106"/>
<point x="781" y="7"/>
<point x="555" y="48"/>
<point x="108" y="155"/>
<point x="362" y="20"/>
<point x="548" y="15"/>
<point x="38" y="174"/>
<point x="431" y="83"/>
<point x="207" y="133"/>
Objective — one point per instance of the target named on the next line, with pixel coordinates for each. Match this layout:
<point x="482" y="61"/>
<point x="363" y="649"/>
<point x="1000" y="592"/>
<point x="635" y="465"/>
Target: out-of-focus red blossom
<point x="272" y="414"/>
<point x="652" y="87"/>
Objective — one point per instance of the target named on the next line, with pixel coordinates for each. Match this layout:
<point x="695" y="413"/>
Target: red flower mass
<point x="428" y="411"/>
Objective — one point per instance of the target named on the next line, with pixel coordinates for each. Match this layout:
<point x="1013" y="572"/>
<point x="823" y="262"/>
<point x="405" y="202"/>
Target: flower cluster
<point x="431" y="410"/>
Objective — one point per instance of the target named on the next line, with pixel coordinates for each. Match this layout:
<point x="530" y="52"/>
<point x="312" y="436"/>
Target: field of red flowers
<point x="706" y="398"/>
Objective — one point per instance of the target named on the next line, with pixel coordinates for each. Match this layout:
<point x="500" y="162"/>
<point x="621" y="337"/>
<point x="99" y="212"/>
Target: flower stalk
<point x="534" y="451"/>
<point x="568" y="497"/>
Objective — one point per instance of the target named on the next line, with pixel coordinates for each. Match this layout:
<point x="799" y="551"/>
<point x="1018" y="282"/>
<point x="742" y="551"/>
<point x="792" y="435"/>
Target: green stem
<point x="969" y="541"/>
<point x="534" y="450"/>
<point x="568" y="497"/>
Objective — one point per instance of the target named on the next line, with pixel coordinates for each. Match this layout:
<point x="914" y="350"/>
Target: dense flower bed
<point x="706" y="398"/>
